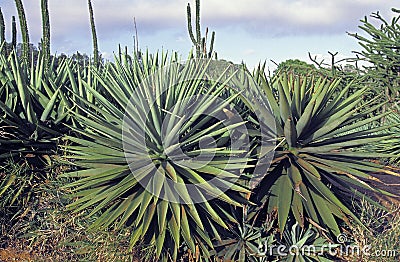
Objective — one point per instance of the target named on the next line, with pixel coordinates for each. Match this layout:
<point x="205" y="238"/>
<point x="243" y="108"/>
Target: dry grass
<point x="378" y="240"/>
<point x="44" y="230"/>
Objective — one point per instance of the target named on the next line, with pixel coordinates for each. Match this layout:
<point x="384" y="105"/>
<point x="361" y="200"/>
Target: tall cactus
<point x="3" y="43"/>
<point x="94" y="36"/>
<point x="46" y="32"/>
<point x="2" y="28"/>
<point x="198" y="41"/>
<point x="212" y="44"/>
<point x="14" y="33"/>
<point x="24" y="31"/>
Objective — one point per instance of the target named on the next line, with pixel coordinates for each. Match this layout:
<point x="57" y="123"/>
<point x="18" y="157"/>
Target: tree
<point x="297" y="67"/>
<point x="382" y="50"/>
<point x="81" y="59"/>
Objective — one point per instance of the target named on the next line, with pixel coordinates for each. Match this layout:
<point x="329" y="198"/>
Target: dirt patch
<point x="12" y="254"/>
<point x="389" y="181"/>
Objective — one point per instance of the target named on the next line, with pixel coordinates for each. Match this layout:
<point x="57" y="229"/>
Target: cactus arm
<point x="14" y="33"/>
<point x="2" y="28"/>
<point x="45" y="31"/>
<point x="24" y="31"/>
<point x="94" y="35"/>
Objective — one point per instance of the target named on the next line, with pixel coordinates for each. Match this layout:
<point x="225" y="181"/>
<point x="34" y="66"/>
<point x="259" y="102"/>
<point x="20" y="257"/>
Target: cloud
<point x="259" y="18"/>
<point x="249" y="51"/>
<point x="292" y="17"/>
<point x="116" y="17"/>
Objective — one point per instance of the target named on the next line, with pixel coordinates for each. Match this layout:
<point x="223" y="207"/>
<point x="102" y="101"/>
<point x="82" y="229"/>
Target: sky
<point x="252" y="31"/>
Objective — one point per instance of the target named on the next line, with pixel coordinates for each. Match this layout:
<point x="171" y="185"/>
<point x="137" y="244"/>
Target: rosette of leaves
<point x="247" y="240"/>
<point x="305" y="245"/>
<point x="33" y="110"/>
<point x="127" y="170"/>
<point x="391" y="145"/>
<point x="320" y="158"/>
<point x="33" y="107"/>
<point x="35" y="103"/>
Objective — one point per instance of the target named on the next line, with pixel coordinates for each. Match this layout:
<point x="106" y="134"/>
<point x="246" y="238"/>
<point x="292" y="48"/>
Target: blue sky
<point x="252" y="30"/>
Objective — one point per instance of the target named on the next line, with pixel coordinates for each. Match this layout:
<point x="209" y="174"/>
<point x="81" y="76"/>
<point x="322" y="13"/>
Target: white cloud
<point x="249" y="51"/>
<point x="274" y="17"/>
<point x="259" y="18"/>
<point x="289" y="17"/>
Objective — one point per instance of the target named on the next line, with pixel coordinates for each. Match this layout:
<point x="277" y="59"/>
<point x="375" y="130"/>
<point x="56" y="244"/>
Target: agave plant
<point x="391" y="145"/>
<point x="31" y="108"/>
<point x="35" y="103"/>
<point x="163" y="151"/>
<point x="247" y="240"/>
<point x="305" y="245"/>
<point x="320" y="159"/>
<point x="34" y="110"/>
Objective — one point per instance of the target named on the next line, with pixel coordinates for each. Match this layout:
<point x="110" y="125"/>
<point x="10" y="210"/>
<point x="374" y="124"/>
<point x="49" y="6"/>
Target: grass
<point x="44" y="231"/>
<point x="380" y="238"/>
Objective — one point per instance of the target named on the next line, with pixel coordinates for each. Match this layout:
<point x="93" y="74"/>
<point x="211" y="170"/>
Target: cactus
<point x="3" y="43"/>
<point x="46" y="32"/>
<point x="24" y="31"/>
<point x="136" y="39"/>
<point x="2" y="28"/>
<point x="212" y="45"/>
<point x="199" y="42"/>
<point x="94" y="35"/>
<point x="14" y="34"/>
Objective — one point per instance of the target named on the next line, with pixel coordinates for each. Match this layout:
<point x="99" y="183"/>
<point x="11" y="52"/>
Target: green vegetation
<point x="320" y="157"/>
<point x="24" y="31"/>
<point x="381" y="50"/>
<point x="2" y="28"/>
<point x="152" y="158"/>
<point x="106" y="181"/>
<point x="94" y="35"/>
<point x="46" y="32"/>
<point x="296" y="67"/>
<point x="199" y="42"/>
<point x="14" y="33"/>
<point x="382" y="237"/>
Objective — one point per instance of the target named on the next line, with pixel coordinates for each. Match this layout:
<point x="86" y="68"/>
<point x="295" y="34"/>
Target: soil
<point x="12" y="254"/>
<point x="389" y="183"/>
